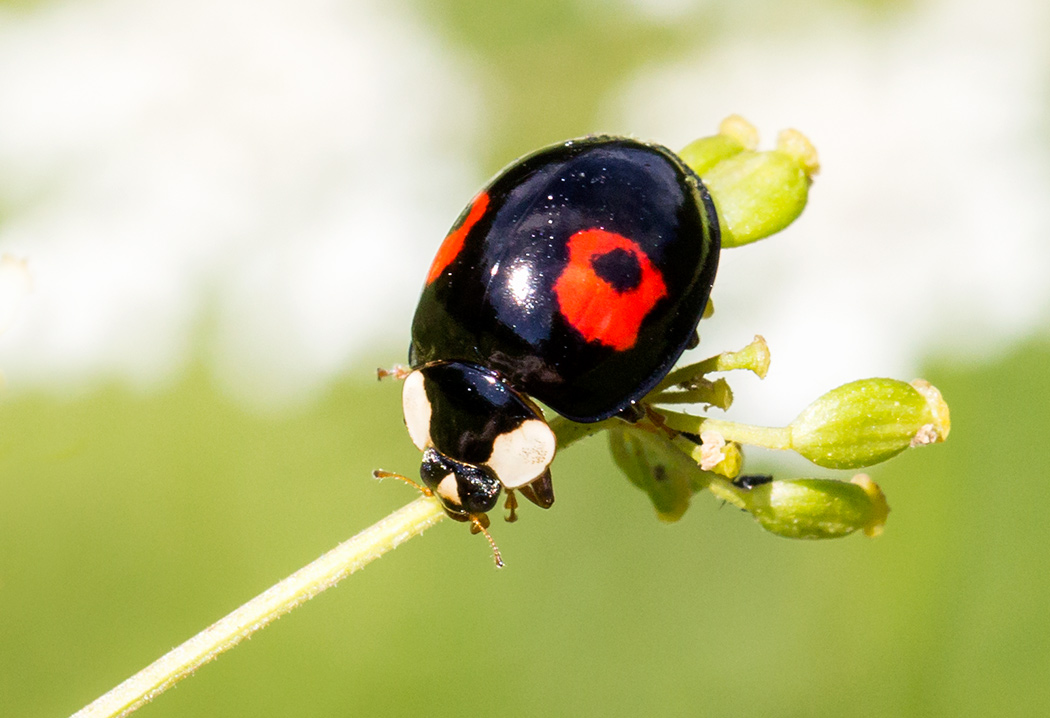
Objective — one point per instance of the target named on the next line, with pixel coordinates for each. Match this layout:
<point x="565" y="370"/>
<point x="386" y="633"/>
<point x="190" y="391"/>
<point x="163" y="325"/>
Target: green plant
<point x="668" y="454"/>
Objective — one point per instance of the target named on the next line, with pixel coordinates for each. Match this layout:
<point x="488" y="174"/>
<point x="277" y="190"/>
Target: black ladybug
<point x="576" y="278"/>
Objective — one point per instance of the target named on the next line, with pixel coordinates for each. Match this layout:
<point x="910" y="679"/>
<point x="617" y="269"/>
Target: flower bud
<point x="868" y="421"/>
<point x="754" y="357"/>
<point x="735" y="135"/>
<point x="757" y="194"/>
<point x="698" y="391"/>
<point x="818" y="508"/>
<point x="656" y="466"/>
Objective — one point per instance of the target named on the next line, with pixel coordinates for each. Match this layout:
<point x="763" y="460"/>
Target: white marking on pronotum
<point x="521" y="455"/>
<point x="448" y="489"/>
<point x="416" y="405"/>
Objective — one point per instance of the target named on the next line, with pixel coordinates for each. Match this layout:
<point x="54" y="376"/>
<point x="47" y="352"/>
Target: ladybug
<point x="576" y="279"/>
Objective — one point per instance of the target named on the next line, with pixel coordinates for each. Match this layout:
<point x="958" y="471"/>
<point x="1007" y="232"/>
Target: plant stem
<point x="301" y="586"/>
<point x="569" y="432"/>
<point x="278" y="600"/>
<point x="769" y="437"/>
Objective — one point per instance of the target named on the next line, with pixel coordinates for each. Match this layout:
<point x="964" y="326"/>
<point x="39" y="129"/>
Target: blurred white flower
<point x="15" y="284"/>
<point x="260" y="176"/>
<point x="276" y="162"/>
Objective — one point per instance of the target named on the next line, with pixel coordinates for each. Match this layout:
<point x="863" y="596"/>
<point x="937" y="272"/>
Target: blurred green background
<point x="131" y="519"/>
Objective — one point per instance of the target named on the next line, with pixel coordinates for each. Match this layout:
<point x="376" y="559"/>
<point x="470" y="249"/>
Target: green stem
<point x="569" y="432"/>
<point x="301" y="586"/>
<point x="754" y="358"/>
<point x="769" y="437"/>
<point x="278" y="600"/>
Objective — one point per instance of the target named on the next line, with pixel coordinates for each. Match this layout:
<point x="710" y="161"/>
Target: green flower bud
<point x="735" y="135"/>
<point x="868" y="421"/>
<point x="655" y="465"/>
<point x="757" y="194"/>
<point x="818" y="508"/>
<point x="699" y="391"/>
<point x="754" y="357"/>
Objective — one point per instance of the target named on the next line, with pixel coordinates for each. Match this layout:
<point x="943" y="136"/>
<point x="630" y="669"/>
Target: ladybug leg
<point x="380" y="474"/>
<point x="694" y="341"/>
<point x="398" y="371"/>
<point x="511" y="505"/>
<point x="657" y="420"/>
<point x="540" y="491"/>
<point x="750" y="481"/>
<point x="632" y="413"/>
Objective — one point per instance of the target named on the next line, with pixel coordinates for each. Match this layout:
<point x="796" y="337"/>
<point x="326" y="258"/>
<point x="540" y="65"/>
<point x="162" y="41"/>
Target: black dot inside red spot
<point x="619" y="268"/>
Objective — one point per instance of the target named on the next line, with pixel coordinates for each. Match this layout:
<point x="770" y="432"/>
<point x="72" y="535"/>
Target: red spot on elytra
<point x="592" y="305"/>
<point x="453" y="243"/>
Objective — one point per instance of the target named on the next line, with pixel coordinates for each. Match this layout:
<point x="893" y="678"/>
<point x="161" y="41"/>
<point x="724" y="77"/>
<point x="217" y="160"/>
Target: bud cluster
<point x="672" y="455"/>
<point x="756" y="193"/>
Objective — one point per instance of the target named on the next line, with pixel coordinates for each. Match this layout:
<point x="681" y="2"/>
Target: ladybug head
<point x="477" y="435"/>
<point x="462" y="488"/>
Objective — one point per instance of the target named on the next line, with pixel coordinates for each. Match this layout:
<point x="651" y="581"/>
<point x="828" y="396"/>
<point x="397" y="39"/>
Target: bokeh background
<point x="226" y="208"/>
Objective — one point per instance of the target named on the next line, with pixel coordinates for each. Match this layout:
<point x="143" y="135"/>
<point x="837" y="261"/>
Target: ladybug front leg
<point x="511" y="505"/>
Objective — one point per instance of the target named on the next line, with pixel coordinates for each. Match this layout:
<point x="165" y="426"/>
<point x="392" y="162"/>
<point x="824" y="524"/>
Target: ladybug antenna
<point x="379" y="474"/>
<point x="479" y="527"/>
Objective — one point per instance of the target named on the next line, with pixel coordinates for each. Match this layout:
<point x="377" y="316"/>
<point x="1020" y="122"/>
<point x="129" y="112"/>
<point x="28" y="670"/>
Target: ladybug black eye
<point x="619" y="268"/>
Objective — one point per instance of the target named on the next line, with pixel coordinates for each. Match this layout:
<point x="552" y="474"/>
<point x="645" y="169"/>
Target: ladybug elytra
<point x="575" y="279"/>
